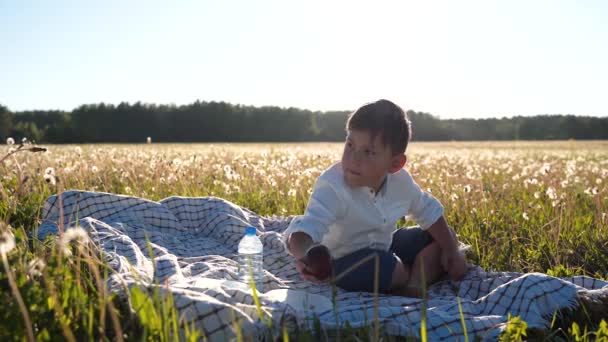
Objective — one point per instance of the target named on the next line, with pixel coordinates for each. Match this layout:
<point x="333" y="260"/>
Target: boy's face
<point x="366" y="162"/>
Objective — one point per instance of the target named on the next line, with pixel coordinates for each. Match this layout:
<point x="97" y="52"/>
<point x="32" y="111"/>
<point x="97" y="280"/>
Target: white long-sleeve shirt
<point x="345" y="218"/>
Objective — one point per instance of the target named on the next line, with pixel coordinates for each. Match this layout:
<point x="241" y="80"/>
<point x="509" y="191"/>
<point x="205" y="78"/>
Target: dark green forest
<point x="225" y="122"/>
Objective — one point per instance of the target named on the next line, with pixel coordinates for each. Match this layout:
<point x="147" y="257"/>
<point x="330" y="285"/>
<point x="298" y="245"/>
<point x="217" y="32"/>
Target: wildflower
<point x="78" y="150"/>
<point x="49" y="171"/>
<point x="592" y="191"/>
<point x="7" y="242"/>
<point x="128" y="190"/>
<point x="564" y="183"/>
<point x="545" y="169"/>
<point x="454" y="197"/>
<point x="10" y="141"/>
<point x="467" y="188"/>
<point x="51" y="179"/>
<point x="537" y="195"/>
<point x="525" y="216"/>
<point x="598" y="181"/>
<point x="24" y="141"/>
<point x="292" y="192"/>
<point x="75" y="234"/>
<point x="35" y="267"/>
<point x="551" y="193"/>
<point x="94" y="169"/>
<point x="172" y="178"/>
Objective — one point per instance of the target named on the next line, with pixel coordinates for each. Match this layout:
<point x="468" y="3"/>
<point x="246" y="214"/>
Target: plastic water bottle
<point x="251" y="252"/>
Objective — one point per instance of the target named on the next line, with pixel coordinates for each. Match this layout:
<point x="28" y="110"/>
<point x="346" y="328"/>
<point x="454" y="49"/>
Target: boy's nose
<point x="358" y="155"/>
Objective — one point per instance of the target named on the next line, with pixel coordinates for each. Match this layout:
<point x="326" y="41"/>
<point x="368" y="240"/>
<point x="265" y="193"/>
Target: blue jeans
<point x="406" y="244"/>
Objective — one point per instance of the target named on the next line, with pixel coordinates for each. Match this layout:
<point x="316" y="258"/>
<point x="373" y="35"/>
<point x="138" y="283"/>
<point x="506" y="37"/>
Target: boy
<point x="356" y="202"/>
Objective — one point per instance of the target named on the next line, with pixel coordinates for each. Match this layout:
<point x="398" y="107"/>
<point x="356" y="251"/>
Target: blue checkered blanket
<point x="194" y="245"/>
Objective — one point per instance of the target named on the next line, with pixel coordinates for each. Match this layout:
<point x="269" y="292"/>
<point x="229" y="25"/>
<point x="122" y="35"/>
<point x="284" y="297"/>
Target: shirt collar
<point x="372" y="192"/>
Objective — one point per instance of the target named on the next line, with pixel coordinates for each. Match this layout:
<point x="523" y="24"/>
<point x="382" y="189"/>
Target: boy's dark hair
<point x="385" y="118"/>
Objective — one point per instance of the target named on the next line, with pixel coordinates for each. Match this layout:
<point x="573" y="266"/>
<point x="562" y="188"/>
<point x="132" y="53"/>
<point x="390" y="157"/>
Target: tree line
<point x="225" y="122"/>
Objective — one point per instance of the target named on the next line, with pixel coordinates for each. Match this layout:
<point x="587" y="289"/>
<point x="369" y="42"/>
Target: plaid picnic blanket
<point x="194" y="245"/>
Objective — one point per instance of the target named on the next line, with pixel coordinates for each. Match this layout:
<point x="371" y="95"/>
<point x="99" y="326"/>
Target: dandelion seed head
<point x="7" y="241"/>
<point x="35" y="267"/>
<point x="10" y="141"/>
<point x="551" y="193"/>
<point x="51" y="179"/>
<point x="75" y="235"/>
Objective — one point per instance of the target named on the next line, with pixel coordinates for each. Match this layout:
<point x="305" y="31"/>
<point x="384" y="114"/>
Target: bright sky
<point x="451" y="58"/>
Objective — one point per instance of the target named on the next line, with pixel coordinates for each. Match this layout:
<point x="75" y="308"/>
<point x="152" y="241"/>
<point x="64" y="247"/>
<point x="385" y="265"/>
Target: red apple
<point x="318" y="260"/>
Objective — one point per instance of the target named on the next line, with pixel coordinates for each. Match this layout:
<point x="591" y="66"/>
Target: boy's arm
<point x="427" y="211"/>
<point x="324" y="208"/>
<point x="446" y="238"/>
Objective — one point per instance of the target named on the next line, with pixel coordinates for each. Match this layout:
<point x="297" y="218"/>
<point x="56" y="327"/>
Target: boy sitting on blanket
<point x="355" y="205"/>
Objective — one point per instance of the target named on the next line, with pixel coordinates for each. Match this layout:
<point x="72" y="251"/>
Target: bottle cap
<point x="250" y="231"/>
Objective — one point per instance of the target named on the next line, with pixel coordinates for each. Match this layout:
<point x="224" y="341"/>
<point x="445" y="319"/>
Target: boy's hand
<point x="312" y="261"/>
<point x="454" y="263"/>
<point x="451" y="259"/>
<point x="298" y="243"/>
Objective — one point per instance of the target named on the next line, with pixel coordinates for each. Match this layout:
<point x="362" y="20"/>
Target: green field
<point x="522" y="206"/>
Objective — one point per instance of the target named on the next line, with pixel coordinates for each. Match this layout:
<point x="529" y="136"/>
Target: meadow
<point x="522" y="206"/>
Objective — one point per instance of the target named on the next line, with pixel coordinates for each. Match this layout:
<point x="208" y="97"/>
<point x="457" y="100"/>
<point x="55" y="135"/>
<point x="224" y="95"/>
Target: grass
<point x="523" y="206"/>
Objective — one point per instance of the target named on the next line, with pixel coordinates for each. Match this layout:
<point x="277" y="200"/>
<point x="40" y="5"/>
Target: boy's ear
<point x="398" y="162"/>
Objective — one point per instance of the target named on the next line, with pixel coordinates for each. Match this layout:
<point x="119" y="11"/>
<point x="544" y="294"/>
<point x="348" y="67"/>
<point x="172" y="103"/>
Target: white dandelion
<point x="35" y="267"/>
<point x="7" y="242"/>
<point x="10" y="141"/>
<point x="51" y="179"/>
<point x="551" y="193"/>
<point x="76" y="235"/>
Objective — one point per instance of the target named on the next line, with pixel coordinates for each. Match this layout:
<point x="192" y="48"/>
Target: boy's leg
<point x="425" y="270"/>
<point x="400" y="278"/>
<point x="419" y="253"/>
<point x="357" y="271"/>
